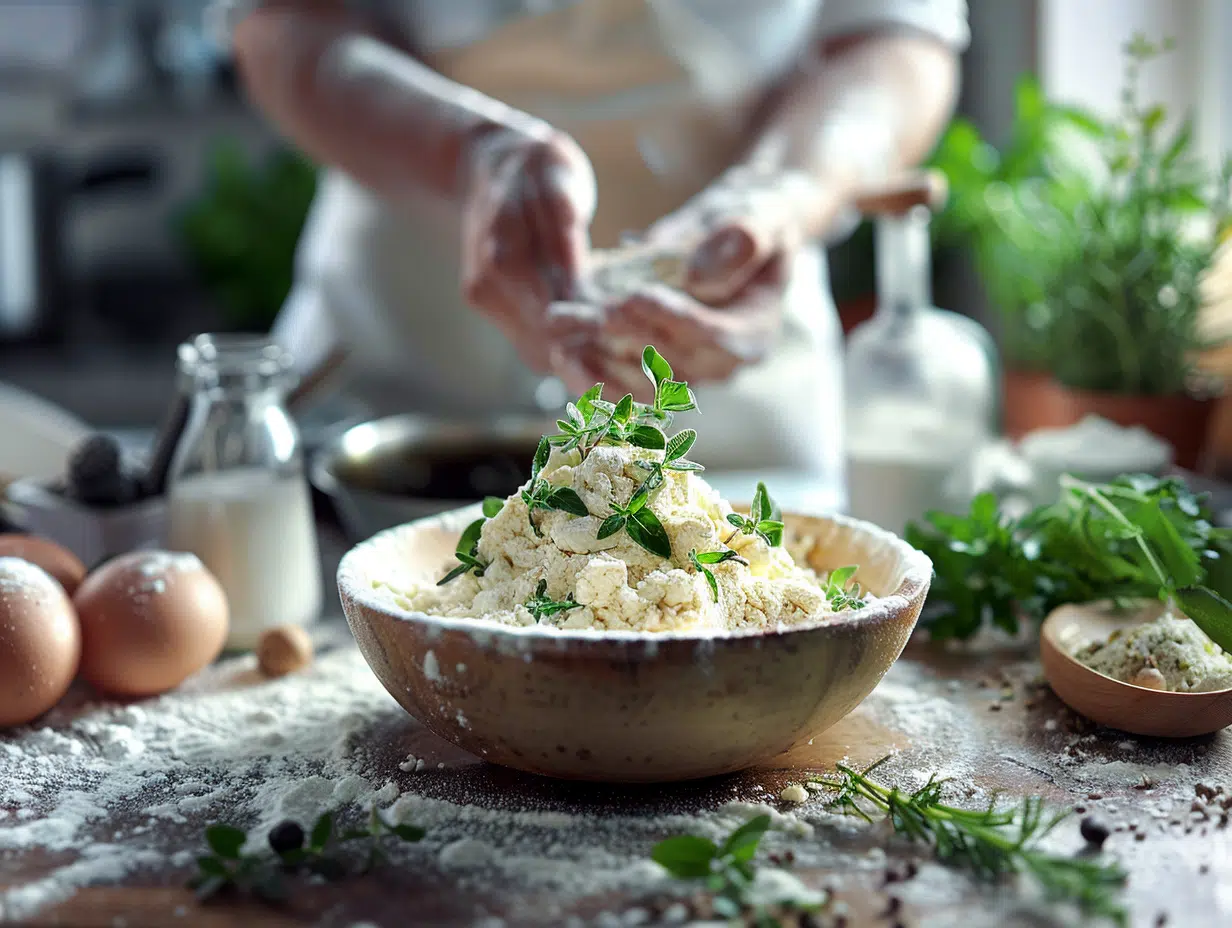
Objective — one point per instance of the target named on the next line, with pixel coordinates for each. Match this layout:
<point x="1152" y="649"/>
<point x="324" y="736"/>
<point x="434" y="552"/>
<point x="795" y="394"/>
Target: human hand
<point x="530" y="197"/>
<point x="736" y="239"/>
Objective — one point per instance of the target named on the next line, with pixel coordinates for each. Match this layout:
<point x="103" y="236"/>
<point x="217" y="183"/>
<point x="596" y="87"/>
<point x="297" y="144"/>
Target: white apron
<point x="383" y="281"/>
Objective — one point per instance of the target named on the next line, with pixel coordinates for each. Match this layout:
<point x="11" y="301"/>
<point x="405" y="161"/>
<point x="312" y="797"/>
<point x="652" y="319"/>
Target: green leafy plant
<point x="727" y="870"/>
<point x="468" y="544"/>
<point x="539" y="494"/>
<point x="540" y="605"/>
<point x="764" y="520"/>
<point x="291" y="851"/>
<point x="993" y="843"/>
<point x="242" y="231"/>
<point x="842" y="592"/>
<point x="1139" y="537"/>
<point x="703" y="561"/>
<point x="637" y="519"/>
<point x="1082" y="232"/>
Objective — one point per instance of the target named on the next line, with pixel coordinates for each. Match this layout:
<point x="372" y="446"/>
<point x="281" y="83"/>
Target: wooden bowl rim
<point x="914" y="585"/>
<point x="1048" y="630"/>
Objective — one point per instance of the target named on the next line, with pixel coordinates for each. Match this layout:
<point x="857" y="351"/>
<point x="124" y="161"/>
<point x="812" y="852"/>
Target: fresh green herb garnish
<point x="636" y="518"/>
<point x="468" y="543"/>
<point x="541" y="605"/>
<point x="1139" y="537"/>
<point x="625" y="427"/>
<point x="539" y="494"/>
<point x="679" y="445"/>
<point x="764" y="519"/>
<point x="670" y="395"/>
<point x="292" y="851"/>
<point x="703" y="561"/>
<point x="586" y="423"/>
<point x="840" y="595"/>
<point x="993" y="843"/>
<point x="727" y="869"/>
<point x="466" y="553"/>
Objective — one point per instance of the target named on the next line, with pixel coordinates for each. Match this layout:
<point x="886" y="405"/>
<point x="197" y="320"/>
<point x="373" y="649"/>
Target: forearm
<point x="859" y="112"/>
<point x="357" y="103"/>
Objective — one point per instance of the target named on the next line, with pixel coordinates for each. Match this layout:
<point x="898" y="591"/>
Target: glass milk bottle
<point x="237" y="494"/>
<point x="920" y="381"/>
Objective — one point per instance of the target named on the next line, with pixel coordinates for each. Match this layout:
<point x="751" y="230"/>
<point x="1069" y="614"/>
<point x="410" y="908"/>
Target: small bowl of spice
<point x="1148" y="671"/>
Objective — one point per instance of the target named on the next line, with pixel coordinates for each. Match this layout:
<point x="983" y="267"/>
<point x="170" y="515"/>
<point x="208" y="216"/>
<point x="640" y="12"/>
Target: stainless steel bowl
<point x="398" y="469"/>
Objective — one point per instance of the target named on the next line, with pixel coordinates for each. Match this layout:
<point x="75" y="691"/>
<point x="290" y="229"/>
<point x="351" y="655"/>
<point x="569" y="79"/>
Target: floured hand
<point x="528" y="206"/>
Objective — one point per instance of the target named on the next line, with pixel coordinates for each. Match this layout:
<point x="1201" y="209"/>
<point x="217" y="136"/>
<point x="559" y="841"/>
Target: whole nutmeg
<point x="283" y="650"/>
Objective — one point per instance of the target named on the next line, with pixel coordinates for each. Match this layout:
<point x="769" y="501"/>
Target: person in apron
<point x="478" y="150"/>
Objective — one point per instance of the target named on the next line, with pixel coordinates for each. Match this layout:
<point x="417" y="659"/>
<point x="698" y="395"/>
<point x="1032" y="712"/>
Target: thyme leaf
<point x="703" y="561"/>
<point x="540" y="605"/>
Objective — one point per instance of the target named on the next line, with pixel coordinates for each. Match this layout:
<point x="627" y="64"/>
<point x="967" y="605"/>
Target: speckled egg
<point x="40" y="641"/>
<point x="149" y="620"/>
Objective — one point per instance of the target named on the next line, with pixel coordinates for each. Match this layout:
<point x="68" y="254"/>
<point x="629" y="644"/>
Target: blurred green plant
<point x="1084" y="233"/>
<point x="241" y="232"/>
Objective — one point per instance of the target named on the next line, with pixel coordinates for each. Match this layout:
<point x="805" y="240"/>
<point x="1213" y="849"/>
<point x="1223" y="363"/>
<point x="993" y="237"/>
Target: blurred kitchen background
<point x="142" y="200"/>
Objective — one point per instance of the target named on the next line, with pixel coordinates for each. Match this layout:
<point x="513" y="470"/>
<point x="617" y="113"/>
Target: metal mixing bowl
<point x="401" y="468"/>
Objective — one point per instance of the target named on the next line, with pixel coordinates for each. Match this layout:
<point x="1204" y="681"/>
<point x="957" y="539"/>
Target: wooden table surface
<point x="989" y="707"/>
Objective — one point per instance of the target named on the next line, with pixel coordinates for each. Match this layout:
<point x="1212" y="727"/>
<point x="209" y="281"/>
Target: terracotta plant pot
<point x="1034" y="400"/>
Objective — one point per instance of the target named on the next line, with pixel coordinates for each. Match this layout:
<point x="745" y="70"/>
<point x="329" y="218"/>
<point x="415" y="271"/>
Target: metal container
<point x="398" y="469"/>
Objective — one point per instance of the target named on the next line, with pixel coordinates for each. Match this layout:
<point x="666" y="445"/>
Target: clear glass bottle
<point x="921" y="386"/>
<point x="237" y="494"/>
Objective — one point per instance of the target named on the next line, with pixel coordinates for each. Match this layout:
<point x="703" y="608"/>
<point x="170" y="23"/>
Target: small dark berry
<point x="286" y="836"/>
<point x="1094" y="832"/>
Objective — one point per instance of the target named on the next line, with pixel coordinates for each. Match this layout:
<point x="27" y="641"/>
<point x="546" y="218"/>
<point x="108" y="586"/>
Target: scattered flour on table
<point x="118" y="789"/>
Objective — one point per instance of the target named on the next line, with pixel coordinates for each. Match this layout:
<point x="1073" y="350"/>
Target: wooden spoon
<point x="1135" y="709"/>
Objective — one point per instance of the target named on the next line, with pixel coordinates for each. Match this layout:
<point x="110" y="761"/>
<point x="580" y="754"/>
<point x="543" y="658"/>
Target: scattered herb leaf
<point x="764" y="518"/>
<point x="264" y="874"/>
<point x="993" y="843"/>
<point x="703" y="561"/>
<point x="727" y="870"/>
<point x="540" y="605"/>
<point x="466" y="553"/>
<point x="492" y="505"/>
<point x="842" y="592"/>
<point x="637" y="519"/>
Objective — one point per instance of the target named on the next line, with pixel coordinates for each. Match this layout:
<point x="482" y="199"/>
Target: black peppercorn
<point x="285" y="837"/>
<point x="1093" y="831"/>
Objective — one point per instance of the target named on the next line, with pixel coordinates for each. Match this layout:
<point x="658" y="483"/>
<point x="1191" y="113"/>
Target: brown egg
<point x="60" y="562"/>
<point x="149" y="620"/>
<point x="40" y="641"/>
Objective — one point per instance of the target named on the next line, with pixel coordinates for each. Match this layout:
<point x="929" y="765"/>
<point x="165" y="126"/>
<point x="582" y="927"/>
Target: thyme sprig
<point x="539" y="494"/>
<point x="840" y="593"/>
<point x="992" y="842"/>
<point x="468" y="544"/>
<point x="764" y="519"/>
<point x="540" y="605"/>
<point x="291" y="852"/>
<point x="637" y="519"/>
<point x="727" y="870"/>
<point x="702" y="561"/>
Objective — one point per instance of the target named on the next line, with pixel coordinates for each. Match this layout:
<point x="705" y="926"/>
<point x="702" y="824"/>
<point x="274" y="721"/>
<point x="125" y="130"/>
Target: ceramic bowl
<point x="628" y="707"/>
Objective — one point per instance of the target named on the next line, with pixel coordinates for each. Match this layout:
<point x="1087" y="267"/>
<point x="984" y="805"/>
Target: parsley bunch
<point x="1138" y="537"/>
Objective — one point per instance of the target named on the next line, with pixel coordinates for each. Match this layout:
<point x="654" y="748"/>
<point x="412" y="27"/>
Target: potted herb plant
<point x="1095" y="265"/>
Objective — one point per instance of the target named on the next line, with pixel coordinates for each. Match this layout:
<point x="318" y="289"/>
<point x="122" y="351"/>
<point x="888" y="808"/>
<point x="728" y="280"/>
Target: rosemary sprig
<point x="468" y="544"/>
<point x="636" y="518"/>
<point x="764" y="519"/>
<point x="727" y="870"/>
<point x="840" y="595"/>
<point x="539" y="494"/>
<point x="993" y="843"/>
<point x="540" y="605"/>
<point x="292" y="851"/>
<point x="704" y="560"/>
